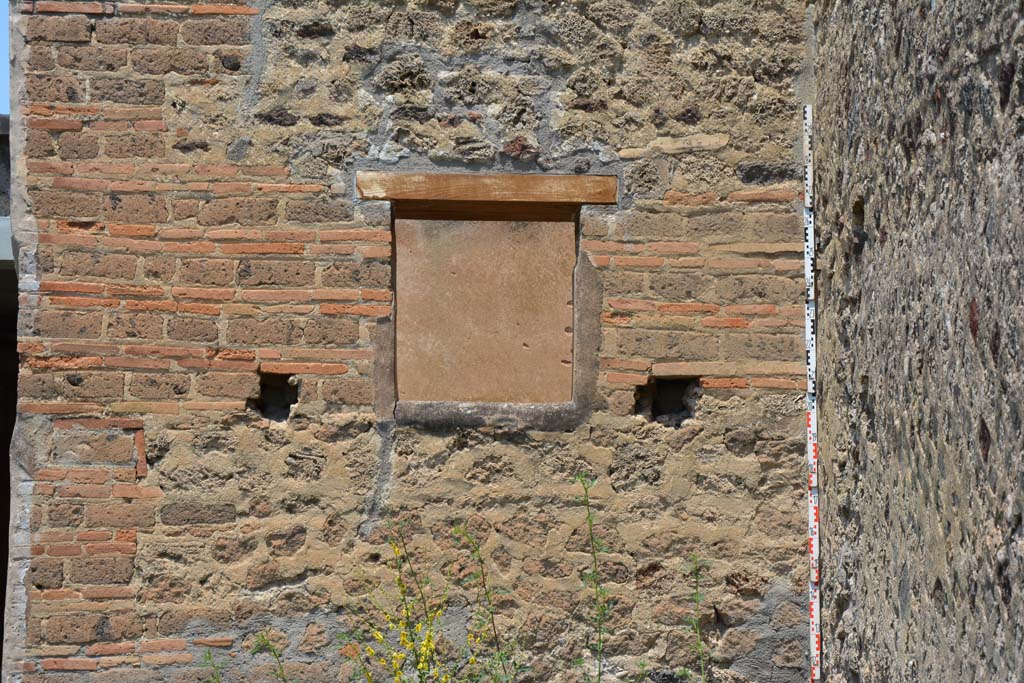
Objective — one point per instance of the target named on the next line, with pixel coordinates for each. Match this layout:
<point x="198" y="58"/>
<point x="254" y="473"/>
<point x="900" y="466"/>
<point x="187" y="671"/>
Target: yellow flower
<point x="378" y="636"/>
<point x="369" y="651"/>
<point x="472" y="659"/>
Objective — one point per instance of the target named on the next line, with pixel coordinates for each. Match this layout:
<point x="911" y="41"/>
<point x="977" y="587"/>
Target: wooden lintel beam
<point x="494" y="187"/>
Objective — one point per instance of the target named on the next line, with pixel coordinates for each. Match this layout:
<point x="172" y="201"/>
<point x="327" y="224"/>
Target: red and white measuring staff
<point x="810" y="344"/>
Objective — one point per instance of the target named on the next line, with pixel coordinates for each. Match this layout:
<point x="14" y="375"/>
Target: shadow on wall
<point x="8" y="312"/>
<point x="8" y="353"/>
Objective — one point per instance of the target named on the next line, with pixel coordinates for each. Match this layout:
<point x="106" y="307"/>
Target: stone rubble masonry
<point x="921" y="226"/>
<point x="185" y="218"/>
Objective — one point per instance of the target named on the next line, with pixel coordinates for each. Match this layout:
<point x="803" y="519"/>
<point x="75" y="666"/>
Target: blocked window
<point x="485" y="276"/>
<point x="484" y="310"/>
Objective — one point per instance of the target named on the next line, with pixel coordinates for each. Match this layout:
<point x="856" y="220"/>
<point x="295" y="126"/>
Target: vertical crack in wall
<point x="256" y="64"/>
<point x="376" y="505"/>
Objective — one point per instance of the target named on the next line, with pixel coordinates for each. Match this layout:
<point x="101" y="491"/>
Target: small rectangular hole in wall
<point x="668" y="401"/>
<point x="278" y="393"/>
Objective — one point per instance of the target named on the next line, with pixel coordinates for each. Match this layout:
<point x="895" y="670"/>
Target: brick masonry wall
<point x="919" y="116"/>
<point x="185" y="218"/>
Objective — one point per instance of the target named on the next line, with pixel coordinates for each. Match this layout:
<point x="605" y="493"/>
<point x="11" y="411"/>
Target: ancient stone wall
<point x="186" y="220"/>
<point x="920" y="110"/>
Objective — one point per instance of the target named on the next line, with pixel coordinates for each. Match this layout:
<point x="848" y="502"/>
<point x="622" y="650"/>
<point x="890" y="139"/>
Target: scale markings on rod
<point x="810" y="345"/>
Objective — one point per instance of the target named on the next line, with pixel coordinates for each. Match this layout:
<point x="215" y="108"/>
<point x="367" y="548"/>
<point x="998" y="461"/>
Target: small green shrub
<point x="265" y="644"/>
<point x="400" y="637"/>
<point x="703" y="651"/>
<point x="213" y="667"/>
<point x="399" y="641"/>
<point x="503" y="661"/>
<point x="600" y="602"/>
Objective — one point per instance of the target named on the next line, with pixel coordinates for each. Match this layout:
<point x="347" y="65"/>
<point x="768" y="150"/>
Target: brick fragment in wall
<point x="47" y="573"/>
<point x="100" y="570"/>
<point x="348" y="391"/>
<point x="41" y="58"/>
<point x="90" y="58"/>
<point x="169" y="60"/>
<point x="318" y="211"/>
<point x="62" y="324"/>
<point x="267" y="331"/>
<point x="256" y="273"/>
<point x="62" y="89"/>
<point x="135" y="145"/>
<point x="78" y="446"/>
<point x="90" y="385"/>
<point x="127" y="90"/>
<point x="244" y="211"/>
<point x="136" y="208"/>
<point x="193" y="329"/>
<point x="342" y="274"/>
<point x="228" y="385"/>
<point x="78" y="146"/>
<point x="330" y="331"/>
<point x="137" y="31"/>
<point x="159" y="268"/>
<point x="37" y="385"/>
<point x="183" y="513"/>
<point x="207" y="271"/>
<point x="218" y="31"/>
<point x="64" y="204"/>
<point x="39" y="144"/>
<point x="58" y="29"/>
<point x="98" y="265"/>
<point x="138" y="515"/>
<point x="124" y="325"/>
<point x="160" y="385"/>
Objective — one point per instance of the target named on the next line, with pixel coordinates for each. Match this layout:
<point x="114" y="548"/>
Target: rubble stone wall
<point x="920" y="110"/>
<point x="186" y="219"/>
